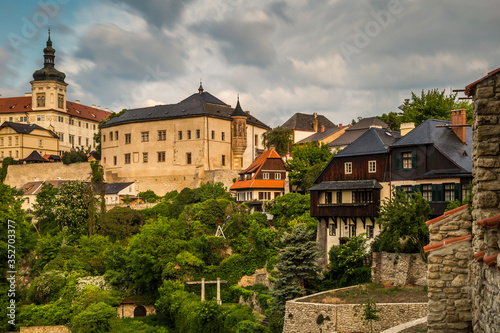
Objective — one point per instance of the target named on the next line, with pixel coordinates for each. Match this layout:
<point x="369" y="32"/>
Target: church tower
<point x="48" y="89"/>
<point x="238" y="135"/>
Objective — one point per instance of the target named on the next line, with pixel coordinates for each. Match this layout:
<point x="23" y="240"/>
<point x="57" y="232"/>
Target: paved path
<point x="401" y="327"/>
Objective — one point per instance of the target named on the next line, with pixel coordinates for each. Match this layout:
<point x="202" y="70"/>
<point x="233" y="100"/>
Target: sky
<point x="339" y="58"/>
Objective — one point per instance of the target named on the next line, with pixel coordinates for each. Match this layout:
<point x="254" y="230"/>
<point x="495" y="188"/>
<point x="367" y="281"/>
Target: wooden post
<point x="203" y="289"/>
<point x="219" y="301"/>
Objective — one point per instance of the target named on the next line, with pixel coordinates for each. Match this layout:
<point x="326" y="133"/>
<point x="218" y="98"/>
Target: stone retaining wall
<point x="304" y="317"/>
<point x="399" y="269"/>
<point x="45" y="329"/>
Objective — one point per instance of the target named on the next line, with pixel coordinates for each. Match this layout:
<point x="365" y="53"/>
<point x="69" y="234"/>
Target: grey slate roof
<point x="25" y="128"/>
<point x="114" y="188"/>
<point x="444" y="139"/>
<point x="320" y="135"/>
<point x="305" y="122"/>
<point x="355" y="131"/>
<point x="346" y="185"/>
<point x="373" y="141"/>
<point x="205" y="97"/>
<point x="185" y="108"/>
<point x="34" y="157"/>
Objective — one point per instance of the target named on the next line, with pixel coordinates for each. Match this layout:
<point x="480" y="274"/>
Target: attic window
<point x="26" y="106"/>
<point x="78" y="111"/>
<point x="93" y="115"/>
<point x="13" y="106"/>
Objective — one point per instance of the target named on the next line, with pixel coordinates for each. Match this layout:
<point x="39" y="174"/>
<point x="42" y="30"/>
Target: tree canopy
<point x="278" y="137"/>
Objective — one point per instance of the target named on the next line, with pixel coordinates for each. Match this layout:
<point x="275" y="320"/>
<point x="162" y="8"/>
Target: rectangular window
<point x="93" y="126"/>
<point x="348" y="168"/>
<point x="189" y="134"/>
<point x="188" y="158"/>
<point x="264" y="195"/>
<point x="72" y="121"/>
<point x="61" y="137"/>
<point x="198" y="133"/>
<point x="223" y="136"/>
<point x="449" y="192"/>
<point x="144" y="157"/>
<point x="60" y="101"/>
<point x="427" y="192"/>
<point x="369" y="231"/>
<point x="1" y="142"/>
<point x="40" y="143"/>
<point x="86" y="125"/>
<point x="111" y="136"/>
<point x="465" y="191"/>
<point x="277" y="176"/>
<point x="179" y="135"/>
<point x="11" y="119"/>
<point x="104" y="138"/>
<point x="144" y="136"/>
<point x="60" y="119"/>
<point x="372" y="166"/>
<point x="17" y="141"/>
<point x="361" y="197"/>
<point x="162" y="135"/>
<point x="23" y="119"/>
<point x="328" y="197"/>
<point x="332" y="229"/>
<point x="339" y="197"/>
<point x="265" y="175"/>
<point x="116" y="135"/>
<point x="256" y="140"/>
<point x="161" y="156"/>
<point x="352" y="230"/>
<point x="406" y="189"/>
<point x="79" y="124"/>
<point x="127" y="158"/>
<point x="10" y="141"/>
<point x="40" y="99"/>
<point x="114" y="160"/>
<point x="79" y="140"/>
<point x="128" y="138"/>
<point x="72" y="139"/>
<point x="40" y="118"/>
<point x="17" y="153"/>
<point x="223" y="160"/>
<point x="213" y="135"/>
<point x="87" y="142"/>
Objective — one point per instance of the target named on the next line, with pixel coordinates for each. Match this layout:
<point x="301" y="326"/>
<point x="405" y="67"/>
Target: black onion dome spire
<point x="238" y="111"/>
<point x="49" y="72"/>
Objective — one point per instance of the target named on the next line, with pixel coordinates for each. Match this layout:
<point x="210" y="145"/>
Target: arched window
<point x="140" y="311"/>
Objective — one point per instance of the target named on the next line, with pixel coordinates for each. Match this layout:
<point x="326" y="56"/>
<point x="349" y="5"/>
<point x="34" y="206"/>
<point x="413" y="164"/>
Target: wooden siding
<point x="272" y="164"/>
<point x="335" y="170"/>
<point x="345" y="209"/>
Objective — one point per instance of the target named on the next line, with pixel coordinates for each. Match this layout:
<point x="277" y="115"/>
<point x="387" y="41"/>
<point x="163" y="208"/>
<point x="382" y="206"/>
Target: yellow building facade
<point x="46" y="105"/>
<point x="180" y="143"/>
<point x="20" y="140"/>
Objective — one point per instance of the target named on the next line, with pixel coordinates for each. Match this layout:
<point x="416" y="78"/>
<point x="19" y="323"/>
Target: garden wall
<point x="45" y="329"/>
<point x="304" y="317"/>
<point x="399" y="269"/>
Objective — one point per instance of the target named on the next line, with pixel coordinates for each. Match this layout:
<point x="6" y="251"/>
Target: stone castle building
<point x="169" y="147"/>
<point x="47" y="106"/>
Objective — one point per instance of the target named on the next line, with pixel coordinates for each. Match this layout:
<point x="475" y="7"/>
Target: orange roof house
<point x="263" y="180"/>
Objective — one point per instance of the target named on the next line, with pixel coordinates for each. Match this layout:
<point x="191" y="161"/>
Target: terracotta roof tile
<point x="490" y="222"/>
<point x="259" y="161"/>
<point x="479" y="256"/>
<point x="445" y="243"/>
<point x="491" y="260"/>
<point x="258" y="183"/>
<point x="445" y="215"/>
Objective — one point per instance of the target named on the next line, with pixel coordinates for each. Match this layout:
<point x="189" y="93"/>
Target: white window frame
<point x="277" y="176"/>
<point x="372" y="166"/>
<point x="265" y="175"/>
<point x="348" y="168"/>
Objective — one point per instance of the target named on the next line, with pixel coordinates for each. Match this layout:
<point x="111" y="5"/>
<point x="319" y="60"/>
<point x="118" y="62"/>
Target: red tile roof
<point x="490" y="222"/>
<point x="479" y="256"/>
<point x="445" y="243"/>
<point x="445" y="215"/>
<point x="471" y="86"/>
<point x="259" y="161"/>
<point x="491" y="260"/>
<point x="23" y="104"/>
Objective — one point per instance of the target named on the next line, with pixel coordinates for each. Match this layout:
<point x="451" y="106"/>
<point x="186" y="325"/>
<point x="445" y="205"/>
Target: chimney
<point x="340" y="126"/>
<point x="25" y="95"/>
<point x="99" y="107"/>
<point x="458" y="120"/>
<point x="405" y="128"/>
<point x="77" y="101"/>
<point x="322" y="128"/>
<point x="315" y="122"/>
<point x="106" y="109"/>
<point x="93" y="105"/>
<point x="0" y="95"/>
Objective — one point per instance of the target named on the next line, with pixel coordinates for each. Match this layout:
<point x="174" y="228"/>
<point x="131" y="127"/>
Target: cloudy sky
<point x="343" y="59"/>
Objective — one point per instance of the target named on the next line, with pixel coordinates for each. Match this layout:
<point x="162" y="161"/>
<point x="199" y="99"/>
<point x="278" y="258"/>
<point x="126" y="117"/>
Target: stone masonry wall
<point x="399" y="269"/>
<point x="45" y="329"/>
<point x="448" y="275"/>
<point x="304" y="317"/>
<point x="486" y="188"/>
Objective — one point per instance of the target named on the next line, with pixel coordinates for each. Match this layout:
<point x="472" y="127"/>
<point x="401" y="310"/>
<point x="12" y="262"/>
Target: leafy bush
<point x="46" y="287"/>
<point x="94" y="319"/>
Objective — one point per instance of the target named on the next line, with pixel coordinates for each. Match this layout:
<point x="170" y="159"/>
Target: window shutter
<point x="437" y="192"/>
<point x="457" y="192"/>
<point x="399" y="161"/>
<point x="415" y="188"/>
<point x="413" y="159"/>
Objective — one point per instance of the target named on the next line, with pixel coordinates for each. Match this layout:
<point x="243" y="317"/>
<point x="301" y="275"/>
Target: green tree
<point x="370" y="313"/>
<point x="76" y="156"/>
<point x="148" y="196"/>
<point x="296" y="263"/>
<point x="431" y="104"/>
<point x="347" y="265"/>
<point x="307" y="162"/>
<point x="94" y="319"/>
<point x="75" y="208"/>
<point x="208" y="191"/>
<point x="44" y="209"/>
<point x="392" y="119"/>
<point x="403" y="218"/>
<point x="288" y="207"/>
<point x="121" y="222"/>
<point x="5" y="164"/>
<point x="278" y="137"/>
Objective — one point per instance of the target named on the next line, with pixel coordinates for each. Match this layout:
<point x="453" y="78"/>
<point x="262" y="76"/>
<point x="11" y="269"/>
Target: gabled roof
<point x="356" y="130"/>
<point x="25" y="128"/>
<point x="23" y="104"/>
<point x="373" y="141"/>
<point x="318" y="136"/>
<point x="186" y="108"/>
<point x="114" y="188"/>
<point x="469" y="88"/>
<point x="444" y="139"/>
<point x="305" y="122"/>
<point x="254" y="168"/>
